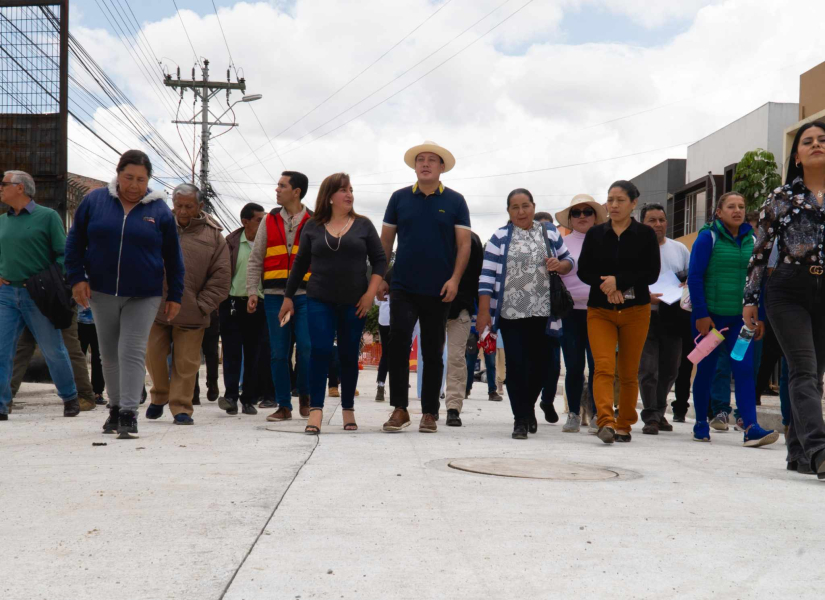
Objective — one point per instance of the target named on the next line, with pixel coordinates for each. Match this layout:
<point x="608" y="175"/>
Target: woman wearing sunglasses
<point x="582" y="214"/>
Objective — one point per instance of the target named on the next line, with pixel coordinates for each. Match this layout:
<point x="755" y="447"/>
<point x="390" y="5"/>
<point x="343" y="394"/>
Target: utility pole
<point x="205" y="90"/>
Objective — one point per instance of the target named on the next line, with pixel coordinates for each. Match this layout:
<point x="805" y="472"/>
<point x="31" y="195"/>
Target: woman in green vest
<point x="716" y="279"/>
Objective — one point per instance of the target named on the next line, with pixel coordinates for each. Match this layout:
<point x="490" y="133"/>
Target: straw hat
<point x="563" y="216"/>
<point x="428" y="146"/>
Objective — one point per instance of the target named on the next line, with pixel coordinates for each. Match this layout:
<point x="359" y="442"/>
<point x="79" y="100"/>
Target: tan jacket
<point x="208" y="273"/>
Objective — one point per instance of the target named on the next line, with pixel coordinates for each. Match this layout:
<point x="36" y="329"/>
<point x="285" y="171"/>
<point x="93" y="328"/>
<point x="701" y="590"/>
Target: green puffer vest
<point x="727" y="269"/>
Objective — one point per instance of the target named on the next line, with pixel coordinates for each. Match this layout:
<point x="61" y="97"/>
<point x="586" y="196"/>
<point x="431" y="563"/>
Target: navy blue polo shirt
<point x="425" y="227"/>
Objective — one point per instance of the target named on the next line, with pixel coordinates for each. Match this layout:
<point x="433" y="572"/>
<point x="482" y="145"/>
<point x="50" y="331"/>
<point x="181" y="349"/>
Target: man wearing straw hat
<point x="432" y="223"/>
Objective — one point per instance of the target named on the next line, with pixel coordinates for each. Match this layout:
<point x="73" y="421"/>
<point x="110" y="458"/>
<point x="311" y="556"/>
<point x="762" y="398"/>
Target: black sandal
<point x="353" y="426"/>
<point x="313" y="429"/>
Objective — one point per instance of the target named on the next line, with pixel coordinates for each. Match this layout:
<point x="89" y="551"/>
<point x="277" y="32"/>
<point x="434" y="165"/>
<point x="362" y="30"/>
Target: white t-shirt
<point x="384" y="312"/>
<point x="674" y="256"/>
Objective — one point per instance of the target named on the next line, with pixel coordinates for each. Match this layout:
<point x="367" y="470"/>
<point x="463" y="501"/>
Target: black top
<point x="337" y="276"/>
<point x="632" y="258"/>
<point x="467" y="295"/>
<point x="425" y="226"/>
<point x="792" y="218"/>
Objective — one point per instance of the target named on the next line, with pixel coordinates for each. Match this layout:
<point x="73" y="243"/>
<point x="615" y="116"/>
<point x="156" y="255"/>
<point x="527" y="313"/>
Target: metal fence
<point x="34" y="95"/>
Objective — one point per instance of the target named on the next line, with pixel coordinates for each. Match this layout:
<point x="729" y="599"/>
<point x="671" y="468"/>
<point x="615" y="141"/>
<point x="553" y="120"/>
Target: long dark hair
<point x="795" y="171"/>
<point x="323" y="206"/>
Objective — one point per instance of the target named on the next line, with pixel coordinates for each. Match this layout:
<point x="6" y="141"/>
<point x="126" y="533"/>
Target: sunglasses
<point x="578" y="212"/>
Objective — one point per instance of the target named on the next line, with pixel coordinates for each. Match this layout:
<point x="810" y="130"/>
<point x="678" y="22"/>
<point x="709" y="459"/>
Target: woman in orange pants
<point x="619" y="259"/>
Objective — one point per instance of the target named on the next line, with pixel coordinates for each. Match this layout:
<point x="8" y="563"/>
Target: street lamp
<point x="250" y="98"/>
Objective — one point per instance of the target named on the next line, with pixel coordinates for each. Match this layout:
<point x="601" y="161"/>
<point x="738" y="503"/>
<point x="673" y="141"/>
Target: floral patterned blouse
<point x="527" y="285"/>
<point x="792" y="219"/>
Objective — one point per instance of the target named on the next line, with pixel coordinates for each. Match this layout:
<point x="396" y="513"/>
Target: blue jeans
<point x="489" y="365"/>
<point x="575" y="346"/>
<point x="720" y="389"/>
<point x="18" y="310"/>
<point x="279" y="343"/>
<point x="742" y="372"/>
<point x="326" y="321"/>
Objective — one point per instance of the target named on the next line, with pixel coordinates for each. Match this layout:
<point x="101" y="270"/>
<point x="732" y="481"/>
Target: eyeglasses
<point x="578" y="212"/>
<point x="5" y="183"/>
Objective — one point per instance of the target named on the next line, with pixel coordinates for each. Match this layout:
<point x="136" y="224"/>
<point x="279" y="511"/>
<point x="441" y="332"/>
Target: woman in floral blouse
<point x="793" y="219"/>
<point x="515" y="286"/>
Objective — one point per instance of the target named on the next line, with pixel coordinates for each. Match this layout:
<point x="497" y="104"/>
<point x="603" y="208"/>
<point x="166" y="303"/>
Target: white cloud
<point x="535" y="109"/>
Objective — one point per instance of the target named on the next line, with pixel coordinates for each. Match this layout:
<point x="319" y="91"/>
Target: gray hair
<point x="25" y="179"/>
<point x="187" y="189"/>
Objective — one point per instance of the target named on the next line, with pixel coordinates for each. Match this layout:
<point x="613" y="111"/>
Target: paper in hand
<point x="669" y="286"/>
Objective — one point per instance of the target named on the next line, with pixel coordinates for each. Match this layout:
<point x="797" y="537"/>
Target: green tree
<point x="371" y="324"/>
<point x="757" y="175"/>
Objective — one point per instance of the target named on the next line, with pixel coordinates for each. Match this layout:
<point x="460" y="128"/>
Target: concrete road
<point x="230" y="509"/>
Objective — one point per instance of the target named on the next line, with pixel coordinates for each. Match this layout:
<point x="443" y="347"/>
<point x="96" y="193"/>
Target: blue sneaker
<point x="701" y="432"/>
<point x="755" y="436"/>
<point x="184" y="419"/>
<point x="154" y="411"/>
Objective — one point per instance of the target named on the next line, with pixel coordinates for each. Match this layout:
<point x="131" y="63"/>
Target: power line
<point x="497" y="25"/>
<point x="543" y="169"/>
<point x="194" y="52"/>
<point x="372" y="64"/>
<point x="436" y="51"/>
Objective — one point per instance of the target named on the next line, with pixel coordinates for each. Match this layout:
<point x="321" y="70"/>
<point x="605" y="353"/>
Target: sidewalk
<point x="230" y="509"/>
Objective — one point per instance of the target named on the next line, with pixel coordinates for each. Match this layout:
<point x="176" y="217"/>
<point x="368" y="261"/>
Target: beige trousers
<point x="186" y="362"/>
<point x="501" y="370"/>
<point x="458" y="330"/>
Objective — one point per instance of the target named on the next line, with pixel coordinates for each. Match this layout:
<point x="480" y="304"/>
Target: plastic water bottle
<point x="742" y="343"/>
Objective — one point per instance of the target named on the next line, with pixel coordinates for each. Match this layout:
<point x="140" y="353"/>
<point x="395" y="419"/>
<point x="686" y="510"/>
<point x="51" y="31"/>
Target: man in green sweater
<point x="31" y="238"/>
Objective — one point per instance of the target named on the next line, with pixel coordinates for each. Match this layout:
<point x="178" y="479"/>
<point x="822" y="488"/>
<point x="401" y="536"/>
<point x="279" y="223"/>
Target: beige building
<point x="811" y="107"/>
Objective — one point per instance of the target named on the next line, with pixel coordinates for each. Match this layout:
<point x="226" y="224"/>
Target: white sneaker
<point x="593" y="429"/>
<point x="720" y="422"/>
<point x="573" y="425"/>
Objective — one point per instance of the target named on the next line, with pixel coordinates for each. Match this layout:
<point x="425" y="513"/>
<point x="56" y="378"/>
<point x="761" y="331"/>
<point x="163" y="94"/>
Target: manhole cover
<point x="532" y="468"/>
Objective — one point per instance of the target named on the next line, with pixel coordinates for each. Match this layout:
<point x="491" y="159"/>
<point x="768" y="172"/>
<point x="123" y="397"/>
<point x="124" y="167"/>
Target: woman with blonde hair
<point x="337" y="242"/>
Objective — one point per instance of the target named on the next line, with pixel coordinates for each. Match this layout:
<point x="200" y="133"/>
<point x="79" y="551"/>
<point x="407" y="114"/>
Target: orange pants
<point x="605" y="329"/>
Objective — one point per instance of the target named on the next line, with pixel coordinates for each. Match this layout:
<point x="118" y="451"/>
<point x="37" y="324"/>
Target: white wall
<point x="762" y="128"/>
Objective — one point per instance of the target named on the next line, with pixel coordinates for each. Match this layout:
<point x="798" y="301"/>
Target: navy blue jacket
<point x="125" y="256"/>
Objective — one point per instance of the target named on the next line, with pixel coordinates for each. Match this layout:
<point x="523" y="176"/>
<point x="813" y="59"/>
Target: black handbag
<point x="561" y="301"/>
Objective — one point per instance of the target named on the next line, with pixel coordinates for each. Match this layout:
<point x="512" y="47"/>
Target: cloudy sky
<point x="558" y="96"/>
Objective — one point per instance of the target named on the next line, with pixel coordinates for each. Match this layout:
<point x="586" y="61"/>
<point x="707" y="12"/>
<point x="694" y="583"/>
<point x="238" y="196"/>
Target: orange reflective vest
<point x="278" y="261"/>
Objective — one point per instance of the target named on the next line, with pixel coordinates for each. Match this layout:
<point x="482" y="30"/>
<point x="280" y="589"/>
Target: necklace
<point x="339" y="235"/>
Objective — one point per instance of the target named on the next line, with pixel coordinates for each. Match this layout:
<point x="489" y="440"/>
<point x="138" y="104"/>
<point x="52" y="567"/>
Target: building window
<point x="695" y="211"/>
<point x="690" y="213"/>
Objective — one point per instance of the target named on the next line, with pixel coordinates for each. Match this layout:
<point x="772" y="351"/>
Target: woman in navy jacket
<point x="122" y="240"/>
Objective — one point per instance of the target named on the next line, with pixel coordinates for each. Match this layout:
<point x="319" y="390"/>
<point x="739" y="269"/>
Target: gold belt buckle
<point x="816" y="270"/>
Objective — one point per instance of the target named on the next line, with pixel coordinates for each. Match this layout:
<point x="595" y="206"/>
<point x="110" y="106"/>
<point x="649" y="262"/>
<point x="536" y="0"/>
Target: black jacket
<point x="633" y="259"/>
<point x="467" y="296"/>
<point x="52" y="296"/>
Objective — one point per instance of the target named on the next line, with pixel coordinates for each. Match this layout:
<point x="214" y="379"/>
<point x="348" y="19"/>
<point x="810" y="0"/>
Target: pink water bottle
<point x="707" y="345"/>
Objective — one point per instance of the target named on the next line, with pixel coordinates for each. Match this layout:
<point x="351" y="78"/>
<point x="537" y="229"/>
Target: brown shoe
<point x="399" y="419"/>
<point x="86" y="403"/>
<point x="651" y="428"/>
<point x="664" y="425"/>
<point x="334" y="393"/>
<point x="428" y="424"/>
<point x="303" y="405"/>
<point x="282" y="414"/>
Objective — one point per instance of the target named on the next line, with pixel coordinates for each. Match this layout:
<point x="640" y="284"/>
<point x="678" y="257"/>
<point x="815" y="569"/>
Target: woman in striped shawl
<point x="514" y="298"/>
